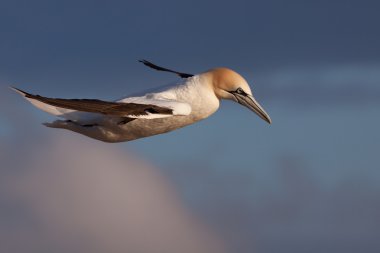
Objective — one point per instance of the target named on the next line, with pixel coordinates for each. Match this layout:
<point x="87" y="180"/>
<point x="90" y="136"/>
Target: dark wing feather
<point x="154" y="66"/>
<point x="103" y="107"/>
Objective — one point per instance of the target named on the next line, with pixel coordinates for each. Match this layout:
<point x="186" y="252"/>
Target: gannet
<point x="193" y="98"/>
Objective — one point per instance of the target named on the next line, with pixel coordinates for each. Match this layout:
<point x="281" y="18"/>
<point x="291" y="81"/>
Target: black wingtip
<point x="19" y="91"/>
<point x="151" y="65"/>
<point x="154" y="66"/>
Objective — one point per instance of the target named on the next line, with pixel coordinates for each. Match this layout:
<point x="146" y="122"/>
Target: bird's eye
<point x="240" y="91"/>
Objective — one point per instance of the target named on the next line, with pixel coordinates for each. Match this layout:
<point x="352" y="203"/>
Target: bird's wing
<point x="154" y="66"/>
<point x="143" y="108"/>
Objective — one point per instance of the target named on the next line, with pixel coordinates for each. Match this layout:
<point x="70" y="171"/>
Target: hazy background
<point x="307" y="183"/>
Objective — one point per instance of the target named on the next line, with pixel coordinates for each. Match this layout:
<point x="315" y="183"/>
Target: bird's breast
<point x="202" y="100"/>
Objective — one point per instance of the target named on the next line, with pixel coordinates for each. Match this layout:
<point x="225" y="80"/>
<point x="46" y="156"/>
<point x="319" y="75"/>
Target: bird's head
<point x="228" y="84"/>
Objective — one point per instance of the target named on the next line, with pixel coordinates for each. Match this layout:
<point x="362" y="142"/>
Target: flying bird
<point x="193" y="98"/>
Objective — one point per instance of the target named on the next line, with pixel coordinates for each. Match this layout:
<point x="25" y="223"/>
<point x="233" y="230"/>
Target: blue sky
<point x="314" y="66"/>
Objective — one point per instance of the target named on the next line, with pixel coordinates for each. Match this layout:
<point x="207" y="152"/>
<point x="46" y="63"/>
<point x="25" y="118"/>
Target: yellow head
<point x="227" y="84"/>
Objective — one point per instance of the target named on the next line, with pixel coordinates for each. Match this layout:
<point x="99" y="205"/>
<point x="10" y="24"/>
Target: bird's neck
<point x="198" y="92"/>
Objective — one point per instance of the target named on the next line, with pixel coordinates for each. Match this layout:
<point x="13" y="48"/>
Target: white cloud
<point x="69" y="195"/>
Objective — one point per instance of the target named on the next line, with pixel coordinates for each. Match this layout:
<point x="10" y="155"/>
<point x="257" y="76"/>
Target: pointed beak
<point x="250" y="102"/>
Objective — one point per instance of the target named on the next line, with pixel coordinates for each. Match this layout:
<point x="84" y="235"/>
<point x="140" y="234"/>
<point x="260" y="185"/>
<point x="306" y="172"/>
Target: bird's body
<point x="192" y="99"/>
<point x="189" y="91"/>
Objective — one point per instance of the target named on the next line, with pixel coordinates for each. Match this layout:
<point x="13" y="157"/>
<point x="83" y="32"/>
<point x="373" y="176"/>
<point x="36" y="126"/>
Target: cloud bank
<point x="69" y="195"/>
